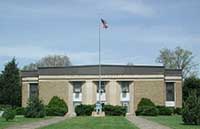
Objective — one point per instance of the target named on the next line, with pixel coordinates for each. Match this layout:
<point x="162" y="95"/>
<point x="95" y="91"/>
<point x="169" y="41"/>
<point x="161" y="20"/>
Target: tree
<point x="178" y="59"/>
<point x="49" y="61"/>
<point x="35" y="108"/>
<point x="191" y="84"/>
<point x="10" y="85"/>
<point x="1" y="89"/>
<point x="191" y="109"/>
<point x="31" y="66"/>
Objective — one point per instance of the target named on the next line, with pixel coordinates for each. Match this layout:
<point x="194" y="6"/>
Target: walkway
<point x="145" y="124"/>
<point x="38" y="124"/>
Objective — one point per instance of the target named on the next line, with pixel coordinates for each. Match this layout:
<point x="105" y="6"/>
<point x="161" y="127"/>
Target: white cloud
<point x="25" y="51"/>
<point x="34" y="53"/>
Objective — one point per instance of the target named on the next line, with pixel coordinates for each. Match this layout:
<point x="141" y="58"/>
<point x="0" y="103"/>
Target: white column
<point x="70" y="99"/>
<point x="87" y="92"/>
<point x="114" y="92"/>
<point x="131" y="102"/>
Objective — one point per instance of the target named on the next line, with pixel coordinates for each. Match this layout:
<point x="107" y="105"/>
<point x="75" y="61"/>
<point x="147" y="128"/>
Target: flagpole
<point x="100" y="67"/>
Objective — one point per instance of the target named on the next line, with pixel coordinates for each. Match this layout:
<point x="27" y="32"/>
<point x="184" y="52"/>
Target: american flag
<point x="104" y="23"/>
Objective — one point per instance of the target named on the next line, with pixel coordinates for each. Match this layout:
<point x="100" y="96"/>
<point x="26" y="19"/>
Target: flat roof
<point x="105" y="70"/>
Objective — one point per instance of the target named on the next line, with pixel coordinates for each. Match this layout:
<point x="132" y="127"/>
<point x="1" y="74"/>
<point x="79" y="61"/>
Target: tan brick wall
<point x="148" y="88"/>
<point x="48" y="89"/>
<point x="153" y="90"/>
<point x="178" y="87"/>
<point x="25" y="93"/>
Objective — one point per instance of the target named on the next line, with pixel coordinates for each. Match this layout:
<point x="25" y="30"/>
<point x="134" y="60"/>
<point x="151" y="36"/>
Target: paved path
<point x="38" y="124"/>
<point x="145" y="124"/>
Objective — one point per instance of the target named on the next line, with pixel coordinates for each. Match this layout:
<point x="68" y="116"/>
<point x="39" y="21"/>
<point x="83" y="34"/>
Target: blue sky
<point x="138" y="29"/>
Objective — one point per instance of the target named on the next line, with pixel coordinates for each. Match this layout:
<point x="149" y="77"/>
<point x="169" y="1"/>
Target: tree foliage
<point x="191" y="84"/>
<point x="49" y="61"/>
<point x="10" y="88"/>
<point x="35" y="108"/>
<point x="191" y="109"/>
<point x="178" y="58"/>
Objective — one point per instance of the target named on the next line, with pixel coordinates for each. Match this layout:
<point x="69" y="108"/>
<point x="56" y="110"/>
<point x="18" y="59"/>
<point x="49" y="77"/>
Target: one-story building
<point x="121" y="85"/>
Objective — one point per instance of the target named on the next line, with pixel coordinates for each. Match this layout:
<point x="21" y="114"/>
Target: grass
<point x="93" y="123"/>
<point x="18" y="120"/>
<point x="174" y="122"/>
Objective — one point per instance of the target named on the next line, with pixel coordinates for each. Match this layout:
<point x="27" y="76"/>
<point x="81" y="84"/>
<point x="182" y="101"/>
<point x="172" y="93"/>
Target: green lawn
<point x="18" y="120"/>
<point x="93" y="123"/>
<point x="175" y="122"/>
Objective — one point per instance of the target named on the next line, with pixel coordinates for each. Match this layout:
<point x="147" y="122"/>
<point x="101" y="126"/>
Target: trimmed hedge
<point x="55" y="111"/>
<point x="146" y="102"/>
<point x="165" y="110"/>
<point x="84" y="110"/>
<point x="147" y="111"/>
<point x="56" y="107"/>
<point x="57" y="102"/>
<point x="114" y="110"/>
<point x="146" y="108"/>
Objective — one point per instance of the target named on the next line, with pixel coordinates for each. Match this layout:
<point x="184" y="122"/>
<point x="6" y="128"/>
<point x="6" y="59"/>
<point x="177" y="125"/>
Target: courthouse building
<point x="121" y="85"/>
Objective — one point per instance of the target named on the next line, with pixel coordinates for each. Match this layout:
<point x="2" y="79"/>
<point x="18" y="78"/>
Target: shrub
<point x="55" y="111"/>
<point x="147" y="108"/>
<point x="191" y="109"/>
<point x="84" y="110"/>
<point x="56" y="107"/>
<point x="114" y="110"/>
<point x="35" y="109"/>
<point x="20" y="110"/>
<point x="165" y="110"/>
<point x="57" y="102"/>
<point x="146" y="102"/>
<point x="9" y="114"/>
<point x="147" y="111"/>
<point x="178" y="111"/>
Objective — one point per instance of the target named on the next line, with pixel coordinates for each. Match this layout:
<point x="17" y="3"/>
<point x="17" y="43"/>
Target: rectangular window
<point x="103" y="87"/>
<point x="125" y="87"/>
<point x="34" y="90"/>
<point x="170" y="91"/>
<point x="124" y="95"/>
<point x="77" y="95"/>
<point x="77" y="87"/>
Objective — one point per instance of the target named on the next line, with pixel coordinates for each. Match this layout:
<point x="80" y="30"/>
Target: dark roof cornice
<point x="106" y="70"/>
